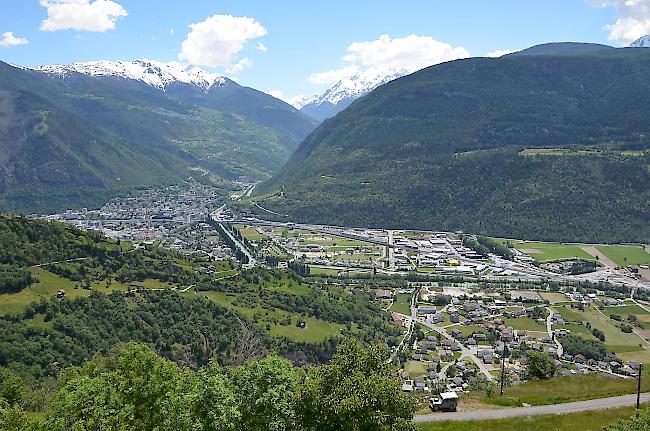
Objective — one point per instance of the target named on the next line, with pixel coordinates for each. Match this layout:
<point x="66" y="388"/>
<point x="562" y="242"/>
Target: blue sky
<point x="286" y="45"/>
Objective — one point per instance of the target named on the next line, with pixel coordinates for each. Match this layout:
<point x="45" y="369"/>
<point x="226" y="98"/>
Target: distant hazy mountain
<point x="343" y="93"/>
<point x="642" y="42"/>
<point x="549" y="143"/>
<point x="76" y="135"/>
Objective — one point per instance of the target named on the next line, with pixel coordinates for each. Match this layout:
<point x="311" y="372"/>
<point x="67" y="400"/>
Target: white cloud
<point x="8" y="39"/>
<point x="500" y="52"/>
<point x="87" y="15"/>
<point x="239" y="66"/>
<point x="261" y="47"/>
<point x="171" y="31"/>
<point x="411" y="53"/>
<point x="407" y="54"/>
<point x="633" y="19"/>
<point x="277" y="94"/>
<point x="216" y="41"/>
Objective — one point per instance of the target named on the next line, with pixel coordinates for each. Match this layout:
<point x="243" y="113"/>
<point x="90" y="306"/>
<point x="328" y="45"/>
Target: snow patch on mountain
<point x="642" y="42"/>
<point x="299" y="101"/>
<point x="154" y="73"/>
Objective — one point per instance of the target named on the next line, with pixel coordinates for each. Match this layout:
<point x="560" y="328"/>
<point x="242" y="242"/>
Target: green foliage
<point x="442" y="299"/>
<point x="26" y="241"/>
<point x="590" y="349"/>
<point x="12" y="387"/>
<point x="598" y="334"/>
<point x="140" y="390"/>
<point x="132" y="388"/>
<point x="637" y="423"/>
<point x="214" y="404"/>
<point x="78" y="255"/>
<point x="354" y="392"/>
<point x="189" y="331"/>
<point x="12" y="418"/>
<point x="484" y="245"/>
<point x="266" y="390"/>
<point x="443" y="148"/>
<point x="540" y="364"/>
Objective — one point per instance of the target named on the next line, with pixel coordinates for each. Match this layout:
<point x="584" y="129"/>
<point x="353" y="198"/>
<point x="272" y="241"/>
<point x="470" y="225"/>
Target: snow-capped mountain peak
<point x="346" y="91"/>
<point x="357" y="85"/>
<point x="154" y="73"/>
<point x="642" y="42"/>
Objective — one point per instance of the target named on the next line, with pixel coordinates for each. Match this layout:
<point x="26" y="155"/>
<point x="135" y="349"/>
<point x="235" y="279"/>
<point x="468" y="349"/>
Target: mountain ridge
<point x="453" y="147"/>
<point x="74" y="139"/>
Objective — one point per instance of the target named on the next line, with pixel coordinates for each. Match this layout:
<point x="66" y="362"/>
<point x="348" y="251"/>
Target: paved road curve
<point x="575" y="407"/>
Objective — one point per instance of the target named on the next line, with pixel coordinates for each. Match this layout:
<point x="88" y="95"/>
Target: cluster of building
<point x="171" y="216"/>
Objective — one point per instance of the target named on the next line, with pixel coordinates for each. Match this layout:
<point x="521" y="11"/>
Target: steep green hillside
<point x="535" y="146"/>
<point x="115" y="293"/>
<point x="80" y="140"/>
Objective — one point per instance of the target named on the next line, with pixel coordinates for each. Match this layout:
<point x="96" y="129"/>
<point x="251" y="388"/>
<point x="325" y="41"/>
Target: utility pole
<point x="638" y="390"/>
<point x="503" y="366"/>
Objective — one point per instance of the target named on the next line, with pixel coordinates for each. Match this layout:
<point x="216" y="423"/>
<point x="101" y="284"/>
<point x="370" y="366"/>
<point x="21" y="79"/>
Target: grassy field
<point x="553" y="297"/>
<point x="565" y="389"/>
<point x="361" y="257"/>
<point x="585" y="421"/>
<point x="543" y="251"/>
<point x="524" y="324"/>
<point x="569" y="314"/>
<point x="641" y="356"/>
<point x="613" y="335"/>
<point x="415" y="368"/>
<point x="323" y="271"/>
<point x="615" y="339"/>
<point x="624" y="255"/>
<point x="402" y="304"/>
<point x="317" y="330"/>
<point x="250" y="233"/>
<point x="48" y="284"/>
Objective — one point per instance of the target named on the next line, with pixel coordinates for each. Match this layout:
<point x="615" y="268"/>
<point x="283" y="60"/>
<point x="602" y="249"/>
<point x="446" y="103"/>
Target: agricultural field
<point x="250" y="233"/>
<point x="553" y="297"/>
<point x="624" y="255"/>
<point x="584" y="421"/>
<point x="544" y="251"/>
<point x="323" y="271"/>
<point x="615" y="340"/>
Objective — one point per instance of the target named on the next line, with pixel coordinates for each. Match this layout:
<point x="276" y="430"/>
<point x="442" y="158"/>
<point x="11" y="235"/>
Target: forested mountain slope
<point x="550" y="143"/>
<point x="72" y="139"/>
